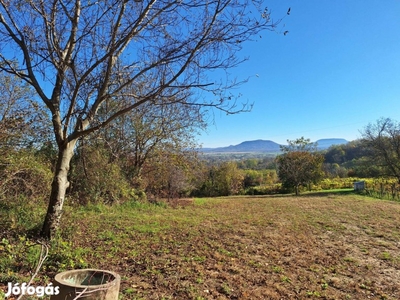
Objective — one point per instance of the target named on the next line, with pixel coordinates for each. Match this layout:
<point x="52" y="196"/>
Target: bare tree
<point x="383" y="139"/>
<point x="21" y="117"/>
<point x="77" y="54"/>
<point x="137" y="136"/>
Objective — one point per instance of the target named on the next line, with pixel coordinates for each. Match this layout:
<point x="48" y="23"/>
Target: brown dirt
<point x="325" y="247"/>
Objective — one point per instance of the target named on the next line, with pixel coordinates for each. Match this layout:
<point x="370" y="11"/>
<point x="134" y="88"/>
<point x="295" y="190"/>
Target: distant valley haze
<point x="267" y="146"/>
<point x="332" y="74"/>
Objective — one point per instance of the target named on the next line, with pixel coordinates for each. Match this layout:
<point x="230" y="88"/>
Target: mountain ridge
<point x="268" y="146"/>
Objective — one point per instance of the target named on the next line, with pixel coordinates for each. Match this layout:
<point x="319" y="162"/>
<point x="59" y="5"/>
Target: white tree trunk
<point x="58" y="189"/>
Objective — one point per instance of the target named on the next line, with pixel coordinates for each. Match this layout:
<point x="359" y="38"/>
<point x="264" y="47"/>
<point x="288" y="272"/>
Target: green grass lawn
<point x="326" y="245"/>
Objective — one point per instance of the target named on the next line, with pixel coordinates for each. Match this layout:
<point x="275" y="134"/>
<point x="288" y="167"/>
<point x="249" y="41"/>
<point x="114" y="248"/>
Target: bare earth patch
<point x="327" y="247"/>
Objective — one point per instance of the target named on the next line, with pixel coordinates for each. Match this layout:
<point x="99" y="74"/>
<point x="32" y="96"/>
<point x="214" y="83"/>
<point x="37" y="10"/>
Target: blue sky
<point x="337" y="70"/>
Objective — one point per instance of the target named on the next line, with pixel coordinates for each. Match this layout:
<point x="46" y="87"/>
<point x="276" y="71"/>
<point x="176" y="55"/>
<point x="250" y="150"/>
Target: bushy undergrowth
<point x="336" y="183"/>
<point x="21" y="250"/>
<point x="379" y="188"/>
<point x="24" y="175"/>
<point x="96" y="179"/>
<point x="21" y="256"/>
<point x="264" y="190"/>
<point x="25" y="179"/>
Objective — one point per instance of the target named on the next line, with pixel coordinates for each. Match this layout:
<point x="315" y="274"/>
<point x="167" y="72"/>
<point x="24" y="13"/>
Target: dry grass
<point x="327" y="246"/>
<point x="270" y="247"/>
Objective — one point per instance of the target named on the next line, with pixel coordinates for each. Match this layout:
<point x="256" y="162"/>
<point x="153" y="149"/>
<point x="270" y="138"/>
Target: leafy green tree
<point x="347" y="152"/>
<point x="229" y="179"/>
<point x="334" y="170"/>
<point x="335" y="154"/>
<point x="78" y="54"/>
<point x="354" y="159"/>
<point x="363" y="167"/>
<point x="259" y="177"/>
<point x="222" y="180"/>
<point x="171" y="173"/>
<point x="96" y="178"/>
<point x="300" y="164"/>
<point x="252" y="178"/>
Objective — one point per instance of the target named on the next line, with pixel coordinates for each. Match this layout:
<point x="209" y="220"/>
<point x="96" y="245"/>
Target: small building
<point x="359" y="185"/>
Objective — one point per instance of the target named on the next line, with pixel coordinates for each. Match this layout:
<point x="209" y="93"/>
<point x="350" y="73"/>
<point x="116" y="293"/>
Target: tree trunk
<point x="297" y="189"/>
<point x="58" y="188"/>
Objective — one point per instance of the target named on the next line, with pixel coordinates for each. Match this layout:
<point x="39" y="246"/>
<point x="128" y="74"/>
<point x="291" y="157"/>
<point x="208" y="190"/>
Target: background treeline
<point x="103" y="172"/>
<point x="350" y="160"/>
<point x="342" y="165"/>
<point x="150" y="154"/>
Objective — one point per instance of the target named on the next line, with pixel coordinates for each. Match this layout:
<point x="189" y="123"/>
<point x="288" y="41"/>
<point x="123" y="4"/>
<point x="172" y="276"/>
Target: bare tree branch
<point x="79" y="54"/>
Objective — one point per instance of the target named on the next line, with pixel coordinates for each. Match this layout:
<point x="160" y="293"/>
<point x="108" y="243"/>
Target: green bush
<point x="20" y="256"/>
<point x="25" y="181"/>
<point x="24" y="175"/>
<point x="265" y="190"/>
<point x="21" y="215"/>
<point x="63" y="255"/>
<point x="222" y="180"/>
<point x="96" y="179"/>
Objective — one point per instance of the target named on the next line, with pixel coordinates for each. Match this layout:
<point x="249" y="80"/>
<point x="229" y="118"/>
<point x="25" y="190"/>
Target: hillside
<point x="326" y="143"/>
<point x="267" y="146"/>
<point x="247" y="146"/>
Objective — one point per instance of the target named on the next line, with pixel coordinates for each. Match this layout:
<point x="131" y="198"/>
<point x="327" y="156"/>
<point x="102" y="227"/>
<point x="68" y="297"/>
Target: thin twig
<point x="80" y="294"/>
<point x="86" y="292"/>
<point x="43" y="255"/>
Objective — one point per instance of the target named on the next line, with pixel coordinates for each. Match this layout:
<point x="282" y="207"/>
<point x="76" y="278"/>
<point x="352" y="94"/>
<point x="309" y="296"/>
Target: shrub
<point x="24" y="175"/>
<point x="94" y="179"/>
<point x="265" y="190"/>
<point x="25" y="181"/>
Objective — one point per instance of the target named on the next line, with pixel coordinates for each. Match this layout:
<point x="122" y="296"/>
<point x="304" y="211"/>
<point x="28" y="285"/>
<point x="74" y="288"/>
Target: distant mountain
<point x="326" y="143"/>
<point x="266" y="146"/>
<point x="247" y="146"/>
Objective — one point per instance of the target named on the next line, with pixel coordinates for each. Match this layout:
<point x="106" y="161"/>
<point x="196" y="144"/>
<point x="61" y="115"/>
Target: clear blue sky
<point x="337" y="70"/>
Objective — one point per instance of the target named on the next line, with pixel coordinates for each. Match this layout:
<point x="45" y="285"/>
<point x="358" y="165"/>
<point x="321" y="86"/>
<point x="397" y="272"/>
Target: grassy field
<point x="327" y="246"/>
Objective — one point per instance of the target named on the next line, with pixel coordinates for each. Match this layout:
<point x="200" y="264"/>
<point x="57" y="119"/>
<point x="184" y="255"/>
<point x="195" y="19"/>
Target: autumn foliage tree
<point x="222" y="180"/>
<point x="139" y="136"/>
<point x="150" y="147"/>
<point x="300" y="164"/>
<point x="383" y="140"/>
<point x="24" y="174"/>
<point x="78" y="54"/>
<point x="22" y="119"/>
